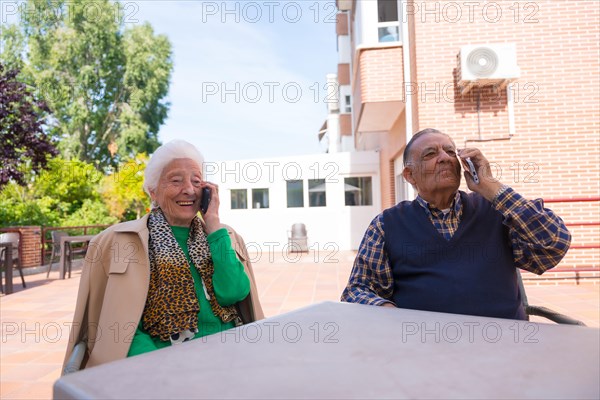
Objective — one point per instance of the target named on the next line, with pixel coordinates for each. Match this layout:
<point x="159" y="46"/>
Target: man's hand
<point x="488" y="185"/>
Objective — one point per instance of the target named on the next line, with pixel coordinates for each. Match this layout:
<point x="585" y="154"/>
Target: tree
<point x="105" y="84"/>
<point x="18" y="206"/>
<point x="65" y="194"/>
<point x="92" y="212"/>
<point x="123" y="190"/>
<point x="22" y="138"/>
<point x="68" y="184"/>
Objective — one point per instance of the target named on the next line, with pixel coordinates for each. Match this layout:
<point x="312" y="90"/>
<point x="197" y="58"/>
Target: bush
<point x="92" y="212"/>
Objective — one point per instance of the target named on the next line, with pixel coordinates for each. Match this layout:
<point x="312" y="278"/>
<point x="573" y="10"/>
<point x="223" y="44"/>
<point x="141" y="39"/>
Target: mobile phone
<point x="205" y="200"/>
<point x="472" y="170"/>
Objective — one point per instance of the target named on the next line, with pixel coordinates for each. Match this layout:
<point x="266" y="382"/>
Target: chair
<point x="76" y="358"/>
<point x="543" y="311"/>
<point x="14" y="238"/>
<point x="70" y="251"/>
<point x="298" y="239"/>
<point x="56" y="235"/>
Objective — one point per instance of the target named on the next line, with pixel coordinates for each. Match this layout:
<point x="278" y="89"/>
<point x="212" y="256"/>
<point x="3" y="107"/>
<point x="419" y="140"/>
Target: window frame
<point x="231" y="197"/>
<point x="361" y="198"/>
<point x="268" y="205"/>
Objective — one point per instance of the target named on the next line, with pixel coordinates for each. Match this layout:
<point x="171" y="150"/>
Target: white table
<point x="338" y="350"/>
<point x="65" y="242"/>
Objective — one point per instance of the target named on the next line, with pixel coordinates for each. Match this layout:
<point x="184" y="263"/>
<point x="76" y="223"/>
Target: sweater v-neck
<point x="466" y="212"/>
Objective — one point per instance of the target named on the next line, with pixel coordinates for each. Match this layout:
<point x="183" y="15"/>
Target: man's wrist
<point x="501" y="190"/>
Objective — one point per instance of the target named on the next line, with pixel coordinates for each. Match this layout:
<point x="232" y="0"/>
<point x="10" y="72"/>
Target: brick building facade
<point x="540" y="131"/>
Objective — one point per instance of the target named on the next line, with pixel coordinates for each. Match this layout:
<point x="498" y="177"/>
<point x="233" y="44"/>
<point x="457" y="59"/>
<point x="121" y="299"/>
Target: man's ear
<point x="407" y="173"/>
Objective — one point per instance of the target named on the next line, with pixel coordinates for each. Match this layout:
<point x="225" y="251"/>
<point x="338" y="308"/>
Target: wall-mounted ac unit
<point x="487" y="64"/>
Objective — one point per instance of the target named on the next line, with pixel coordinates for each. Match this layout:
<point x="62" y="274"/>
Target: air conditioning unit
<point x="487" y="64"/>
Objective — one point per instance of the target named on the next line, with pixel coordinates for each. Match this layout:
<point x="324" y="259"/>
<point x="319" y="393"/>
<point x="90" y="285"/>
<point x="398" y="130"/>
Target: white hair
<point x="163" y="156"/>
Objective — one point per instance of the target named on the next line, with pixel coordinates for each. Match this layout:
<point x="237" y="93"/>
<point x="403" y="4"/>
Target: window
<point x="387" y="10"/>
<point x="358" y="191"/>
<point x="239" y="199"/>
<point x="260" y="198"/>
<point x="388" y="28"/>
<point x="295" y="193"/>
<point x="347" y="104"/>
<point x="317" y="197"/>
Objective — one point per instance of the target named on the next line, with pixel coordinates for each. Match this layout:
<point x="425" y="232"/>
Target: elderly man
<point x="451" y="251"/>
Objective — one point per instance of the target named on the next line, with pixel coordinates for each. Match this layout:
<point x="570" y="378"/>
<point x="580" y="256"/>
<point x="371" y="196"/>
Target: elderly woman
<point x="168" y="277"/>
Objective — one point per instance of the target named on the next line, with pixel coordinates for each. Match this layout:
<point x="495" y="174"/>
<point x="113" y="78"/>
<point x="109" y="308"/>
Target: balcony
<point x="378" y="89"/>
<point x="344" y="5"/>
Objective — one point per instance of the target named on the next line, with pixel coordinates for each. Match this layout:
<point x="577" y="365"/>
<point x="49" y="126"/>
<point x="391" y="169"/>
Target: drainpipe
<point x="403" y="21"/>
<point x="510" y="104"/>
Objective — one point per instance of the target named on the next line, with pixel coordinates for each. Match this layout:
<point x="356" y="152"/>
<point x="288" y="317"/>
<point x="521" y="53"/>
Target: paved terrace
<point x="34" y="321"/>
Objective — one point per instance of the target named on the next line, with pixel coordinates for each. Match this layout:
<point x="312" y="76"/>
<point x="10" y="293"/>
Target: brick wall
<point x="343" y="74"/>
<point x="341" y="24"/>
<point x="345" y="125"/>
<point x="381" y="74"/>
<point x="557" y="99"/>
<point x="29" y="244"/>
<point x="555" y="151"/>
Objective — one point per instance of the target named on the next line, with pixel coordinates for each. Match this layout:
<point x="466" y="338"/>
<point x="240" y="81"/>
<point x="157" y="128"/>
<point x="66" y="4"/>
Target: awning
<point x="351" y="188"/>
<point x="318" y="188"/>
<point x="323" y="130"/>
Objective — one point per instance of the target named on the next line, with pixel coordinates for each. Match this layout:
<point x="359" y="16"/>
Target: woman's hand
<point x="211" y="217"/>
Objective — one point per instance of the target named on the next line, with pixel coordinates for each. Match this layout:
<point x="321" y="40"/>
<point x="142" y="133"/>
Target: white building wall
<point x="347" y="143"/>
<point x="344" y="49"/>
<point x="330" y="228"/>
<point x="333" y="132"/>
<point x="365" y="24"/>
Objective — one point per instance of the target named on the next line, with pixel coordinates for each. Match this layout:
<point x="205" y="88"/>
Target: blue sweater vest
<point x="473" y="273"/>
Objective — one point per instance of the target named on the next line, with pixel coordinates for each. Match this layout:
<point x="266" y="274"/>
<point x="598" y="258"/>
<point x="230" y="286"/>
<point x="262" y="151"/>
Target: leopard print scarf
<point x="172" y="306"/>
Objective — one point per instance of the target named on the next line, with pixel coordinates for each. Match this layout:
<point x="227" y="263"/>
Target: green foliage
<point x="123" y="190"/>
<point x="104" y="84"/>
<point x="67" y="194"/>
<point x="92" y="212"/>
<point x="26" y="212"/>
<point x="13" y="45"/>
<point x="18" y="206"/>
<point x="69" y="184"/>
<point x="23" y="142"/>
<point x="74" y="193"/>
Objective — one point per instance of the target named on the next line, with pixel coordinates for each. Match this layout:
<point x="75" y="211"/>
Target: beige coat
<point x="113" y="288"/>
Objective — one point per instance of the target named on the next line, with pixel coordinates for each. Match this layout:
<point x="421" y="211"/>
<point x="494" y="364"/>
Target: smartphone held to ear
<point x="205" y="200"/>
<point x="472" y="170"/>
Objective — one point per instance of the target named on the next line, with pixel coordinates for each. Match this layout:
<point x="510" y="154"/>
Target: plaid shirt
<point x="446" y="223"/>
<point x="539" y="239"/>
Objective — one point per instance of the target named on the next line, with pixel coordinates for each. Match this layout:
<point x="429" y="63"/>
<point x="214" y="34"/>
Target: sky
<point x="249" y="76"/>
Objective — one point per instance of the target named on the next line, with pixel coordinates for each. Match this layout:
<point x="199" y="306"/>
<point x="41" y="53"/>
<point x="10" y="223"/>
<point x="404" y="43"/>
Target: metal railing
<point x="46" y="245"/>
<point x="576" y="270"/>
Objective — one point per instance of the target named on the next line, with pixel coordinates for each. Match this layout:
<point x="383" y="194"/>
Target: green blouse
<point x="230" y="282"/>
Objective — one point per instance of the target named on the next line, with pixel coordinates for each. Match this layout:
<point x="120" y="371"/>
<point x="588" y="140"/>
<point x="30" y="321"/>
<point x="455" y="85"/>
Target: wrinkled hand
<point x="488" y="185"/>
<point x="211" y="217"/>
